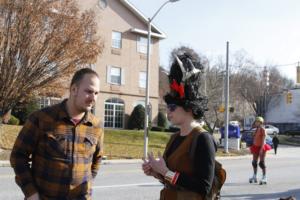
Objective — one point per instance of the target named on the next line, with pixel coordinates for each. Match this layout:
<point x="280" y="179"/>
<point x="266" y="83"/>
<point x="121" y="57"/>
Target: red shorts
<point x="255" y="149"/>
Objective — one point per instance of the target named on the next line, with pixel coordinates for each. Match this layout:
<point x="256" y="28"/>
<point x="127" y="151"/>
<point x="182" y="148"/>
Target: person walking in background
<point x="185" y="177"/>
<point x="259" y="149"/>
<point x="64" y="144"/>
<point x="275" y="141"/>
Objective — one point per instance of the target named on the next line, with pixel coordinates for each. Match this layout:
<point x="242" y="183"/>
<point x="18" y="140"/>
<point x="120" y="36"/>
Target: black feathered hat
<point x="185" y="79"/>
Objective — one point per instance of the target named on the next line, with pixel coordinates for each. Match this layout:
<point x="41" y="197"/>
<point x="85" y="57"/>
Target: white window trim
<point x="122" y="76"/>
<point x="114" y="114"/>
<point x="108" y="75"/>
<point x="140" y="79"/>
<point x="138" y="46"/>
<point x="119" y="41"/>
<point x="45" y="101"/>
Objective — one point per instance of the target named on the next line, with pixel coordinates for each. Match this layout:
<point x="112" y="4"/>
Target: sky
<point x="268" y="30"/>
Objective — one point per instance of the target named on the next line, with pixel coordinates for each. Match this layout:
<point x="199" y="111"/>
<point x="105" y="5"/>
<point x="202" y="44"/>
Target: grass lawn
<point x="118" y="144"/>
<point x="128" y="144"/>
<point x="8" y="134"/>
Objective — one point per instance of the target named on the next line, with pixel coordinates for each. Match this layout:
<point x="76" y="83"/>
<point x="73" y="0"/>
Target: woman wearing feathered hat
<point x="185" y="176"/>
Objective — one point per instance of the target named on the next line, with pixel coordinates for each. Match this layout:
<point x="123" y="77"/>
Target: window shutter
<point x="122" y="76"/>
<point x="108" y="74"/>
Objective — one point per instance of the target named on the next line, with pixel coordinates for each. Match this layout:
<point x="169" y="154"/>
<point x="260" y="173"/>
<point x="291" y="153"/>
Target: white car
<point x="271" y="130"/>
<point x="234" y="123"/>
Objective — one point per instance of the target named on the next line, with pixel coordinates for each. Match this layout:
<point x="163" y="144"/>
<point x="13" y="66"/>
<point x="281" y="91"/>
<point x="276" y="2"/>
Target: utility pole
<point x="226" y="100"/>
<point x="205" y="87"/>
<point x="298" y="74"/>
<point x="223" y="89"/>
<point x="266" y="75"/>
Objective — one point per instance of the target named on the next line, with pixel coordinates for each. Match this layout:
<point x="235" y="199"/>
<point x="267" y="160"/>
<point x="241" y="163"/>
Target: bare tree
<point x="248" y="87"/>
<point x="249" y="83"/>
<point x="42" y="41"/>
<point x="214" y="88"/>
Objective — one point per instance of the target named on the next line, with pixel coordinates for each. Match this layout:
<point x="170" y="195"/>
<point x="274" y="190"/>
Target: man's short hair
<point x="78" y="76"/>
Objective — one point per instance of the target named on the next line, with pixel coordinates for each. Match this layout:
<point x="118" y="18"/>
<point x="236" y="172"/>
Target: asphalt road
<point x="126" y="181"/>
<point x="283" y="176"/>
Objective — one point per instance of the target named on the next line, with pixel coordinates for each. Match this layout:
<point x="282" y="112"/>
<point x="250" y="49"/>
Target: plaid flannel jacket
<point x="65" y="157"/>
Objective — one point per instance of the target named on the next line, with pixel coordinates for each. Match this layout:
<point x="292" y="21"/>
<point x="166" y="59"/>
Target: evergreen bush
<point x="161" y="120"/>
<point x="23" y="110"/>
<point x="137" y="118"/>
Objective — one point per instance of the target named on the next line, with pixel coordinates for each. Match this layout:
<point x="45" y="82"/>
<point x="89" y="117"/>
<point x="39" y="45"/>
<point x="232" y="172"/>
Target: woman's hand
<point x="147" y="168"/>
<point x="159" y="166"/>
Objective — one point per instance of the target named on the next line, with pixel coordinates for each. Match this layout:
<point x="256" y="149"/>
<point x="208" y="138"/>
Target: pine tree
<point x="161" y="120"/>
<point x="137" y="118"/>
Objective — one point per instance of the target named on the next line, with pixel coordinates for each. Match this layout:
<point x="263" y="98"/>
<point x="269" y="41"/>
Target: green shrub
<point x="137" y="118"/>
<point x="158" y="128"/>
<point x="172" y="129"/>
<point x="161" y="120"/>
<point x="23" y="110"/>
<point x="206" y="128"/>
<point x="13" y="120"/>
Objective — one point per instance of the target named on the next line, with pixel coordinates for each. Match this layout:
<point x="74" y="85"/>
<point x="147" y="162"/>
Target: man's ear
<point x="73" y="89"/>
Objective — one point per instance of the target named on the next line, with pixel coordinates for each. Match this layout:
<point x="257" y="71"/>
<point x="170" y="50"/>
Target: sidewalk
<point x="283" y="151"/>
<point x="5" y="163"/>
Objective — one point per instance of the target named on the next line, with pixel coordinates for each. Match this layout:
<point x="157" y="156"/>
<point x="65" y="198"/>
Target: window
<point x="116" y="40"/>
<point x="115" y="75"/>
<point x="48" y="101"/>
<point x="114" y="113"/>
<point x="44" y="102"/>
<point x="142" y="79"/>
<point x="142" y="44"/>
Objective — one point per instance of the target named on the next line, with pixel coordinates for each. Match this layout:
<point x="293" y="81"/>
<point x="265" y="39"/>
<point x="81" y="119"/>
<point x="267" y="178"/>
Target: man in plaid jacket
<point x="58" y="151"/>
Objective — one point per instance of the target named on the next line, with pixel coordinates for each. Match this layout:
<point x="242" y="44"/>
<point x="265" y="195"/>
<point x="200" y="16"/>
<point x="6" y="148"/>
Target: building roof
<point x="156" y="31"/>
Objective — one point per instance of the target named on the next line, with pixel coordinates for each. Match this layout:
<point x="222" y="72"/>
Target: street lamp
<point x="147" y="106"/>
<point x="226" y="116"/>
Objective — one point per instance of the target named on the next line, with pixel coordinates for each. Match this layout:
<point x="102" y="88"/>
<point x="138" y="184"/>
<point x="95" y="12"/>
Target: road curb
<point x="233" y="157"/>
<point x="6" y="163"/>
<point x="125" y="161"/>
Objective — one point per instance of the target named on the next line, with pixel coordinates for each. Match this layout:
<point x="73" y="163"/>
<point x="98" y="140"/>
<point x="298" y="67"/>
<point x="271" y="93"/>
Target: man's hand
<point x="34" y="197"/>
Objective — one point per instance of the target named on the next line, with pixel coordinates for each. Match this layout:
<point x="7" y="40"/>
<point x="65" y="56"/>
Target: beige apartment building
<point x="122" y="65"/>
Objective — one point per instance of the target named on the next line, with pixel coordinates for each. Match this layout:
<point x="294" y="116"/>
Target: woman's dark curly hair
<point x="191" y="97"/>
